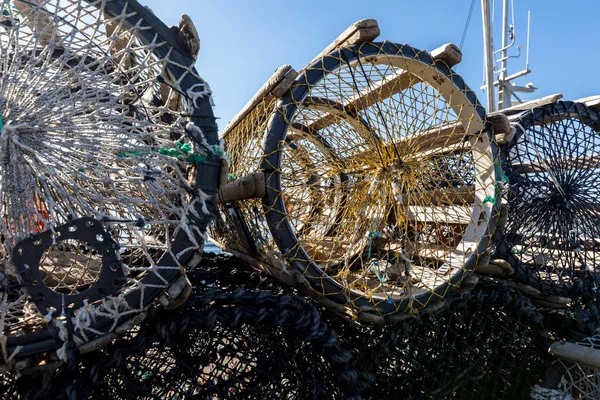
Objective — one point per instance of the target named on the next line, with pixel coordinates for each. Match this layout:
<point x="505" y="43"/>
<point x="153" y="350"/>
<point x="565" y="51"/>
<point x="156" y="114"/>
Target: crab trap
<point x="109" y="155"/>
<point x="551" y="235"/>
<point x="371" y="180"/>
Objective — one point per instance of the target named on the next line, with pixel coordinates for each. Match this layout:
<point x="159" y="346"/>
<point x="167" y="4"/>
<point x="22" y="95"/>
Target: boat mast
<point x="506" y="90"/>
<point x="488" y="49"/>
<point x="503" y="94"/>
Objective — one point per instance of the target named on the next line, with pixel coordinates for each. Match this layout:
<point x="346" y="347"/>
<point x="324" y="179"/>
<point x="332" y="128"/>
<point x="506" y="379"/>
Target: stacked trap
<point x="379" y="176"/>
<point x="109" y="155"/>
<point x="551" y="238"/>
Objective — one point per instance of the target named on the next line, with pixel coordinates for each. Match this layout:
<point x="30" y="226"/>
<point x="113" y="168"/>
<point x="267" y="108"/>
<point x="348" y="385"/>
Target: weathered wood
<point x="499" y="122"/>
<point x="548" y="304"/>
<point x="553" y="299"/>
<point x="445" y="215"/>
<point x="285" y="84"/>
<point x="592" y="102"/>
<point x="483" y="259"/>
<point x="275" y="84"/>
<point x="504" y="265"/>
<point x="468" y="284"/>
<point x="576" y="353"/>
<point x="39" y="20"/>
<point x="365" y="30"/>
<point x="581" y="162"/>
<point x="460" y="195"/>
<point x="489" y="269"/>
<point x="437" y="141"/>
<point x="251" y="186"/>
<point x="448" y="53"/>
<point x="388" y="86"/>
<point x="503" y="217"/>
<point x="556" y="259"/>
<point x="528" y="105"/>
<point x="523" y="288"/>
<point x="506" y="138"/>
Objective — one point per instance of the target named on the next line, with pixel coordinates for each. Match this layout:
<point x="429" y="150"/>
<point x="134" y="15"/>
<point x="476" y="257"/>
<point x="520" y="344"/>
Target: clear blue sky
<point x="244" y="41"/>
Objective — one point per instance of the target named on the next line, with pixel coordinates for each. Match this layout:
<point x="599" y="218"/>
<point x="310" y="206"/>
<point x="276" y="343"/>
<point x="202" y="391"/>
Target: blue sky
<point x="244" y="41"/>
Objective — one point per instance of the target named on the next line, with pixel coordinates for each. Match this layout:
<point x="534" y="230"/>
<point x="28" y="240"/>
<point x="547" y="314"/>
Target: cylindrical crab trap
<point x="552" y="164"/>
<point x="108" y="154"/>
<point x="380" y="182"/>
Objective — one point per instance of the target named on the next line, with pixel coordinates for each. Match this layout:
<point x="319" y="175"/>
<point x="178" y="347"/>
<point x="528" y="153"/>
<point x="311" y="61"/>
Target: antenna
<point x="506" y="90"/>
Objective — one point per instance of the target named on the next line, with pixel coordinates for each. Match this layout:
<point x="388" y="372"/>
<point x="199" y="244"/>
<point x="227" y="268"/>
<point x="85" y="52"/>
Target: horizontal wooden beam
<point x="443" y="215"/>
<point x="461" y="195"/>
<point x="576" y="353"/>
<point x="389" y="85"/>
<point x="435" y="142"/>
<point x="582" y="162"/>
<point x="528" y="105"/>
<point x="365" y="30"/>
<point x="592" y="102"/>
<point x="281" y="80"/>
<point x="251" y="186"/>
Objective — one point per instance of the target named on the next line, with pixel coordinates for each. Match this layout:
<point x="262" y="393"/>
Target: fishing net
<point x="570" y="379"/>
<point x="488" y="343"/>
<point x="225" y="342"/>
<point x="108" y="157"/>
<point x="551" y="238"/>
<point x="380" y="180"/>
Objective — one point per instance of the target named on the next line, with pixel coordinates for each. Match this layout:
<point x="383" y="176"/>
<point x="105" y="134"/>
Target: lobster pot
<point x="105" y="172"/>
<point x="552" y="165"/>
<point x="380" y="179"/>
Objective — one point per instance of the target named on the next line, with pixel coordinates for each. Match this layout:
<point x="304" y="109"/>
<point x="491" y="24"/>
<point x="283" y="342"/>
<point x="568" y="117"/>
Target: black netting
<point x="241" y="335"/>
<point x="551" y="238"/>
<point x="489" y="343"/>
<point x="221" y="344"/>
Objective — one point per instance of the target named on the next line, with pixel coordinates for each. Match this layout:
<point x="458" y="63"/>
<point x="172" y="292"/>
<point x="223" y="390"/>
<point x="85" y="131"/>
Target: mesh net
<point x="551" y="238"/>
<point x="242" y="335"/>
<point x="488" y="343"/>
<point x="380" y="186"/>
<point x="568" y="379"/>
<point x="97" y="120"/>
<point x="225" y="342"/>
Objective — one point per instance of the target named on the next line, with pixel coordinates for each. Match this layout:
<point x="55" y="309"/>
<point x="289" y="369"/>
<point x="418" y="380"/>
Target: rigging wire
<point x="467" y="23"/>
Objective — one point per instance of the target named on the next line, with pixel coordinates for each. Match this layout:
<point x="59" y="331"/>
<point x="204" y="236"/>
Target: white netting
<point x="94" y="113"/>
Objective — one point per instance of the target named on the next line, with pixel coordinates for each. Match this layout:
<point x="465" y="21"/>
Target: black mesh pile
<point x="486" y="344"/>
<point x="231" y="341"/>
<point x="223" y="343"/>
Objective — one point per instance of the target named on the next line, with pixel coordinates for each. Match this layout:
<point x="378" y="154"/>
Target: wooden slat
<point x="365" y="30"/>
<point x="390" y="85"/>
<point x="592" y="102"/>
<point x="444" y="215"/>
<point x="251" y="186"/>
<point x="438" y="141"/>
<point x="275" y="86"/>
<point x="461" y="195"/>
<point x="542" y="256"/>
<point x="431" y="252"/>
<point x="528" y="105"/>
<point x="587" y="162"/>
<point x="576" y="353"/>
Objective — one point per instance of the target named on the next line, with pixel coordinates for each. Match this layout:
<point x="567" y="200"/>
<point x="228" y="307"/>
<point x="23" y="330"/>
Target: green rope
<point x="489" y="199"/>
<point x="499" y="171"/>
<point x="233" y="177"/>
<point x="182" y="151"/>
<point x="1" y="122"/>
<point x="375" y="264"/>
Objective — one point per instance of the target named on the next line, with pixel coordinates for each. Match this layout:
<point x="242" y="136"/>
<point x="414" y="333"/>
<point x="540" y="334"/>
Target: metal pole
<point x="504" y="95"/>
<point x="488" y="47"/>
